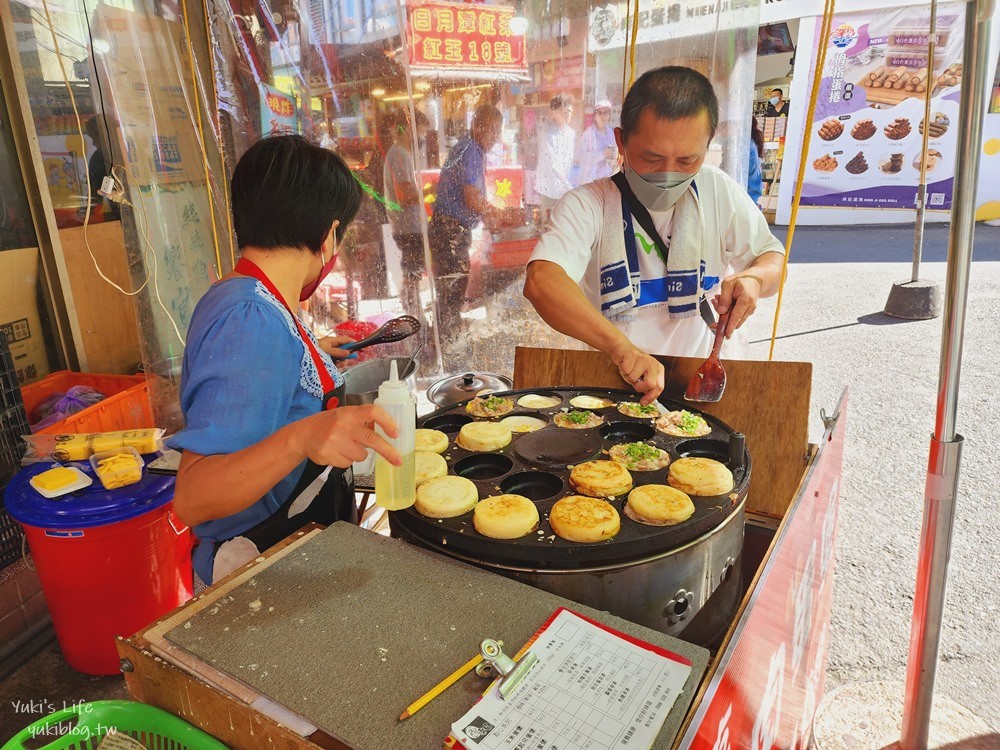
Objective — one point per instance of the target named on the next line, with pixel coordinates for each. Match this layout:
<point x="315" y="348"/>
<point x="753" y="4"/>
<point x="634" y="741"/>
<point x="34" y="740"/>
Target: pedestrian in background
<point x="755" y="179"/>
<point x="596" y="151"/>
<point x="556" y="141"/>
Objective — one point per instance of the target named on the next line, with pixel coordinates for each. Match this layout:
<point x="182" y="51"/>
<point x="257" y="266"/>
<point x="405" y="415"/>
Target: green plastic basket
<point x="83" y="726"/>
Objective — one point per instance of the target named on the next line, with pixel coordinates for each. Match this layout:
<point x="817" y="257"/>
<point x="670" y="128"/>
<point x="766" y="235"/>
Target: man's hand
<point x="640" y="370"/>
<point x="739" y="293"/>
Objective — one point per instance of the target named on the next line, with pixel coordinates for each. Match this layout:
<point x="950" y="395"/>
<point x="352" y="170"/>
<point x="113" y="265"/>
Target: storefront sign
<point x="452" y="35"/>
<point x="277" y="111"/>
<point x="672" y="20"/>
<point x="865" y="149"/>
<point x="772" y="679"/>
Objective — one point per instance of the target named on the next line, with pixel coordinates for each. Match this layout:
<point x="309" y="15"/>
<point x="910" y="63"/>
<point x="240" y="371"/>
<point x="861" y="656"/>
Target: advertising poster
<point x="867" y="132"/>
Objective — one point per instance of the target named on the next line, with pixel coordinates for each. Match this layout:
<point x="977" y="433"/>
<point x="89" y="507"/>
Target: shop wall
<point x="800" y="91"/>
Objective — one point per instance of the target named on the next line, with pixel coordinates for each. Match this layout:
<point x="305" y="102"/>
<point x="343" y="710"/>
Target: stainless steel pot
<point x="363" y="379"/>
<point x="457" y="388"/>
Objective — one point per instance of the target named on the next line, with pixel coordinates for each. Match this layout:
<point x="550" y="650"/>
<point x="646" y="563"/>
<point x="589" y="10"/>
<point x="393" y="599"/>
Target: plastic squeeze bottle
<point x="395" y="486"/>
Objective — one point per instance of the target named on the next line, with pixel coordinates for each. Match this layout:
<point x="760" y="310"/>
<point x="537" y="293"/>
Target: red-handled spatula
<point x="708" y="384"/>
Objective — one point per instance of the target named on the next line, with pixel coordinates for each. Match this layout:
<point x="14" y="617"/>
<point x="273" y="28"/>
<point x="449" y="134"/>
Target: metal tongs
<point x="396" y="329"/>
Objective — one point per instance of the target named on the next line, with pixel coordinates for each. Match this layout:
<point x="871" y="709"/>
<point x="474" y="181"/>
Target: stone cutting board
<point x="352" y="627"/>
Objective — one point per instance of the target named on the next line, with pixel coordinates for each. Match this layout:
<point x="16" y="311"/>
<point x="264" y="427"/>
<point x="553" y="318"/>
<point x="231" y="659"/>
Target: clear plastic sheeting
<point x="116" y="93"/>
<point x="383" y="82"/>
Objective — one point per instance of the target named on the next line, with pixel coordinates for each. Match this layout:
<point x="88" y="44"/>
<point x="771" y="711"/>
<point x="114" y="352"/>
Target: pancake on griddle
<point x="579" y="518"/>
<point x="505" y="517"/>
<point x="701" y="477"/>
<point x="429" y="465"/>
<point x="658" y="505"/>
<point x="600" y="479"/>
<point x="635" y="409"/>
<point x="446" y="497"/>
<point x="434" y="441"/>
<point x="484" y="436"/>
<point x="590" y="402"/>
<point x="536" y="401"/>
<point x="489" y="406"/>
<point x="577" y="419"/>
<point x="639" y="456"/>
<point x="683" y="424"/>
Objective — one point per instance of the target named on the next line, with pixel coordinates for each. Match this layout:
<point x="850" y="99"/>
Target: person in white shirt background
<point x="596" y="151"/>
<point x="555" y="154"/>
<point x="598" y="276"/>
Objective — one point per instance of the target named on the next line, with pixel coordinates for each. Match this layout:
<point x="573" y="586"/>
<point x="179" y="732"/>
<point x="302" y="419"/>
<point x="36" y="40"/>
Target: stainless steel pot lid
<point x="456" y="388"/>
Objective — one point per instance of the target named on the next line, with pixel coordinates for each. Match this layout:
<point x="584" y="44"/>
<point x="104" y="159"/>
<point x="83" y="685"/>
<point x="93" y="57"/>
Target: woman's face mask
<point x="310" y="289"/>
<point x="658" y="191"/>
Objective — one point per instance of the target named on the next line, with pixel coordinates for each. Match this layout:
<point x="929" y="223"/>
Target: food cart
<point x="763" y="677"/>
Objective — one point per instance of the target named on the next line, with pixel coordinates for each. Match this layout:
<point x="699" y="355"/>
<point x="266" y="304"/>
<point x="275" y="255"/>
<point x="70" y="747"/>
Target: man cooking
<point x="628" y="262"/>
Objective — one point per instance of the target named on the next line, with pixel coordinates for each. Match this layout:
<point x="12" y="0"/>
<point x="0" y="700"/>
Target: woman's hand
<point x="342" y="436"/>
<point x="331" y="345"/>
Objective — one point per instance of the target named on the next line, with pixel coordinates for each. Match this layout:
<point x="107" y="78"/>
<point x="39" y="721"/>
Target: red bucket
<point x="110" y="562"/>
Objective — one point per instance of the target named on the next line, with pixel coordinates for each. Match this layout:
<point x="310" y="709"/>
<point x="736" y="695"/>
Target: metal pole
<point x="946" y="445"/>
<point x="918" y="234"/>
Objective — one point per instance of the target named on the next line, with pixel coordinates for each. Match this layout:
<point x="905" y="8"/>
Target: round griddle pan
<point x="537" y="465"/>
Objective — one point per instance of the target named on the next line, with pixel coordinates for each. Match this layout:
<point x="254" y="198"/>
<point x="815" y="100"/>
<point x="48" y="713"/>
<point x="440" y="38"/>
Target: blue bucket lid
<point x="86" y="508"/>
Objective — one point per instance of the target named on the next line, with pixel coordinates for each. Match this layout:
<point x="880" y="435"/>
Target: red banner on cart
<point x="455" y="35"/>
<point x="772" y="677"/>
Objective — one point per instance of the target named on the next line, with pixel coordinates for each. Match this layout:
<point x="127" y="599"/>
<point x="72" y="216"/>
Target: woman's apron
<point x="335" y="500"/>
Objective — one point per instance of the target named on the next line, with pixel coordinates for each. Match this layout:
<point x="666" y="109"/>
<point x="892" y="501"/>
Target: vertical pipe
<point x="918" y="234"/>
<point x="946" y="445"/>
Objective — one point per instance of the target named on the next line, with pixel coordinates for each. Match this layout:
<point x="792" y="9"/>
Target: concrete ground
<point x="838" y="282"/>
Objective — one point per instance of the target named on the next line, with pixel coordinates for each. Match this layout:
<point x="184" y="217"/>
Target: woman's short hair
<point x="287" y="193"/>
<point x="673" y="92"/>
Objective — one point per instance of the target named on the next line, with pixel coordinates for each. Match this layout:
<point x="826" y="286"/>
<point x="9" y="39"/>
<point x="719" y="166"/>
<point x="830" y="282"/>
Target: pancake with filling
<point x="635" y="409"/>
<point x="701" y="477"/>
<point x="446" y="497"/>
<point x="434" y="441"/>
<point x="577" y="420"/>
<point x="590" y="402"/>
<point x="489" y="406"/>
<point x="584" y="519"/>
<point x="535" y="401"/>
<point x="658" y="505"/>
<point x="600" y="479"/>
<point x="505" y="517"/>
<point x="429" y="466"/>
<point x="683" y="424"/>
<point x="639" y="456"/>
<point x="483" y="436"/>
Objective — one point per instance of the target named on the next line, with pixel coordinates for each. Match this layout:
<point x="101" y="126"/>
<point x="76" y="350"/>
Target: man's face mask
<point x="774" y="101"/>
<point x="658" y="191"/>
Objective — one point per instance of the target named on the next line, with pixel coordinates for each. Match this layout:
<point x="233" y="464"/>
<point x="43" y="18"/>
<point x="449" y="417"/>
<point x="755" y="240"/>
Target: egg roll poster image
<point x="868" y="127"/>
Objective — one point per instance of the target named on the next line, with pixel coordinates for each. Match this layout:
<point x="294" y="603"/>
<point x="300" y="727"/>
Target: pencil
<point x="435" y="691"/>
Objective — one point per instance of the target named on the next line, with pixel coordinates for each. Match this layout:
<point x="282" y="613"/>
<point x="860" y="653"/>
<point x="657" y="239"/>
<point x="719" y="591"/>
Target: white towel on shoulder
<point x="620" y="283"/>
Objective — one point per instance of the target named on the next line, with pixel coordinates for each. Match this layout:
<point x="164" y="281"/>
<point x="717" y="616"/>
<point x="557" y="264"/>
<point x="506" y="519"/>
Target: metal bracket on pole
<point x="946" y="445"/>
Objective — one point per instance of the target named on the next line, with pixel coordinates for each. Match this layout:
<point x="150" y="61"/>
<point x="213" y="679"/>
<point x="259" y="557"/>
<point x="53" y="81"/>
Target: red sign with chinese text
<point x="772" y="677"/>
<point x="455" y="35"/>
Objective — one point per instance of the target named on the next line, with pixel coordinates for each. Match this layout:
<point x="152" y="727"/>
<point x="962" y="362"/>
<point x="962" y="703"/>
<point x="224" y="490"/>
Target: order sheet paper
<point x="592" y="688"/>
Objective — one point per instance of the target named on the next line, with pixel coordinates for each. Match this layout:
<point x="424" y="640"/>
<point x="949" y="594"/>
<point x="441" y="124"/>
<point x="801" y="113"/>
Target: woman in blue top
<point x="260" y="395"/>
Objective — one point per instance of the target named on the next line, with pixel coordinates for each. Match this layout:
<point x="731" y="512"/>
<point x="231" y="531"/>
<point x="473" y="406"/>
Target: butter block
<point x="55" y="479"/>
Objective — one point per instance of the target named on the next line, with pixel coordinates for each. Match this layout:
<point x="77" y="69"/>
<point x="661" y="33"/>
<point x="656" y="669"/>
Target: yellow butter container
<point x="118" y="468"/>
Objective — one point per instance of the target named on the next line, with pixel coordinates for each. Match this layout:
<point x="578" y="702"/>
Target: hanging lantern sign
<point x="456" y="35"/>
